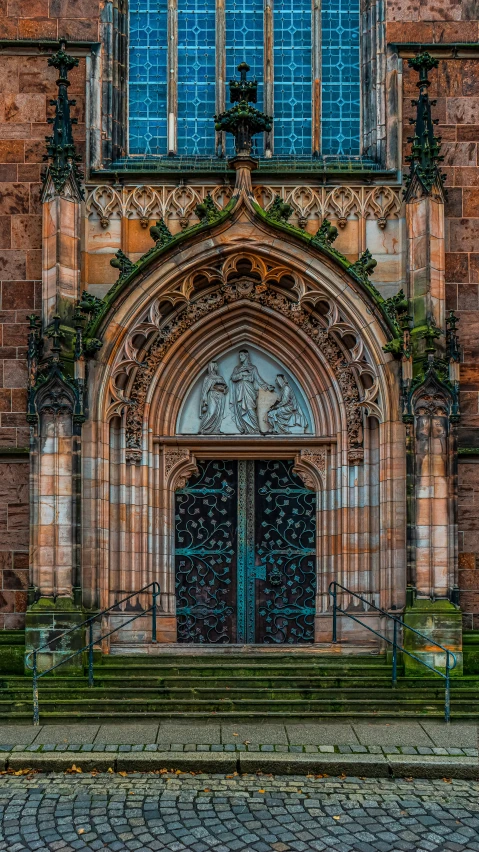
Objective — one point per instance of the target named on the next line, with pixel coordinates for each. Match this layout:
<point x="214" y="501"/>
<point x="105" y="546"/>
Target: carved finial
<point x="61" y="152"/>
<point x="56" y="335"/>
<point x="452" y="339"/>
<point x="243" y="120"/>
<point x="425" y="147"/>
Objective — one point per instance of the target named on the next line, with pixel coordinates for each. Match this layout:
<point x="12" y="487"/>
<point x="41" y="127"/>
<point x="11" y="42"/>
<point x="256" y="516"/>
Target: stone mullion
<point x="316" y="75"/>
<point x="172" y="64"/>
<point x="220" y="89"/>
<point x="268" y="71"/>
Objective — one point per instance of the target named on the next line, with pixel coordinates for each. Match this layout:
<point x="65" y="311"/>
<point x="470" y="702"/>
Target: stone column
<point x="55" y="400"/>
<point x="430" y="404"/>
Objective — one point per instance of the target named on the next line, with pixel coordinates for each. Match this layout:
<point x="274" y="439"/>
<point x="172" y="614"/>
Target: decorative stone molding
<point x="310" y="465"/>
<point x="339" y="203"/>
<point x="137" y="368"/>
<point x="179" y="465"/>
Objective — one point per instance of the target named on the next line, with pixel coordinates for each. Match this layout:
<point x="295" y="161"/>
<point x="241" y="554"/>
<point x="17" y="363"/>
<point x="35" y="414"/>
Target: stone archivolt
<point x="275" y="289"/>
<point x="338" y="203"/>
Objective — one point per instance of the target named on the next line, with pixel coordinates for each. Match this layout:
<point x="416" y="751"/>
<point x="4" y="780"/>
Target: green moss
<point x="60" y="604"/>
<point x="156" y="252"/>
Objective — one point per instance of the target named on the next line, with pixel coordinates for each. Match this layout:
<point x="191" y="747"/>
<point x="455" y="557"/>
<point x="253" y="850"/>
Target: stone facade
<point x="369" y="213"/>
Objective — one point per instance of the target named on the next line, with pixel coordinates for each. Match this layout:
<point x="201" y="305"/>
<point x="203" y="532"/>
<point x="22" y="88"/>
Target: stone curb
<point x="365" y="765"/>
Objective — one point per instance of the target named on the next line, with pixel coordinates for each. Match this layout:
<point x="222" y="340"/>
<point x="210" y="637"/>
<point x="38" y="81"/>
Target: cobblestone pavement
<point x="158" y="811"/>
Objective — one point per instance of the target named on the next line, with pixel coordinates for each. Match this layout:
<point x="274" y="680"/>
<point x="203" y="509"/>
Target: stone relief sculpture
<point x="244" y="392"/>
<point x="285" y="413"/>
<point x="212" y="402"/>
<point x="245" y="382"/>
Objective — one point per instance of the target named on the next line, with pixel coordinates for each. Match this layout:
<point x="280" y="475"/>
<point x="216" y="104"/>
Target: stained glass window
<point x="340" y="77"/>
<point x="292" y="76"/>
<point x="245" y="39"/>
<point x="196" y="76"/>
<point x="147" y="90"/>
<point x="244" y="43"/>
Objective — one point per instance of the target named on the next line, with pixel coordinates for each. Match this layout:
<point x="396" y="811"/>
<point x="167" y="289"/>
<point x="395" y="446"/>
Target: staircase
<point x="287" y="685"/>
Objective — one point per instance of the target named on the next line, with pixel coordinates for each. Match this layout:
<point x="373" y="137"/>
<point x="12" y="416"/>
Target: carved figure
<point x="213" y="399"/>
<point x="245" y="382"/>
<point x="285" y="413"/>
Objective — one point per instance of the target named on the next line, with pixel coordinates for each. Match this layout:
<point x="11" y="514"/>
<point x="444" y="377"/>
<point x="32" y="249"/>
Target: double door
<point x="245" y="555"/>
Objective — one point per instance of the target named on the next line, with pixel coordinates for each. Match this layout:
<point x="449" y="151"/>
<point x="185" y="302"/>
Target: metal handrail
<point x="332" y="590"/>
<point x="154" y="586"/>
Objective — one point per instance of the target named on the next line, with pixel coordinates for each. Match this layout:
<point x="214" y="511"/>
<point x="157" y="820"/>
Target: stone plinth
<point x="45" y="621"/>
<point x="440" y="621"/>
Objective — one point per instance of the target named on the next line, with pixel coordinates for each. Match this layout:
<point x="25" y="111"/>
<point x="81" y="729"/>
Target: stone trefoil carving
<point x="148" y="203"/>
<point x="262" y="294"/>
<point x="308" y="459"/>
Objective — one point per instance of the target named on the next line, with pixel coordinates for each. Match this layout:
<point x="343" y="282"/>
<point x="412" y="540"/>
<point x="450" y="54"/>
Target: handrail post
<point x="447" y="697"/>
<point x="153" y="615"/>
<point x="36" y="709"/>
<point x="395" y="639"/>
<point x="335" y="612"/>
<point x="90" y="654"/>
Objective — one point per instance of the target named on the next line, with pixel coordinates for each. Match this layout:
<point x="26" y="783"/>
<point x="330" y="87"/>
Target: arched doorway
<point x="245" y="554"/>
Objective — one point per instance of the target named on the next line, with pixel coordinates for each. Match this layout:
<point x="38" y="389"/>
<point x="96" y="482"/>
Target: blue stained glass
<point x="244" y="43"/>
<point x="196" y="77"/>
<point x="147" y="77"/>
<point x="292" y="77"/>
<point x="340" y="77"/>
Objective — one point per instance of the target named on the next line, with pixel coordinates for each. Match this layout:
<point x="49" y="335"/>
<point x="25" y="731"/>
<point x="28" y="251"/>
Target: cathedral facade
<point x="240" y="322"/>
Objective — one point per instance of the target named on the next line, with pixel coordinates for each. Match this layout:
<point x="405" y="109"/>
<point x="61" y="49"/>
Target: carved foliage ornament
<point x="261" y="294"/>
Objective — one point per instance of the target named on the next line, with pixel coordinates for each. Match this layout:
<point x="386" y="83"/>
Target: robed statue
<point x="212" y="402"/>
<point x="285" y="413"/>
<point x="245" y="382"/>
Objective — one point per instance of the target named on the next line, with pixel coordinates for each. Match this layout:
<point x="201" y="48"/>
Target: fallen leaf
<point x="261" y="791"/>
<point x="81" y="831"/>
<point x="23" y="771"/>
<point x="207" y="790"/>
<point x="409" y="779"/>
<point x="123" y="774"/>
<point x="162" y="771"/>
<point x="236" y="735"/>
<point x="109" y="769"/>
<point x="73" y="769"/>
<point x="336" y="817"/>
<point x="246" y="742"/>
<point x="447" y="780"/>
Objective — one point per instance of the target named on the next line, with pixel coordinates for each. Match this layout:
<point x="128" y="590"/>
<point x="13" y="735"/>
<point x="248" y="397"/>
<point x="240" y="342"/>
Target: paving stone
<point x="321" y="733"/>
<point x="126" y="734"/>
<point x="394" y="733"/>
<point x="256" y="733"/>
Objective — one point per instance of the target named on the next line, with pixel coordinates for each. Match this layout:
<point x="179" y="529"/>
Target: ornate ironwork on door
<point x="246" y="555"/>
<point x="285" y="548"/>
<point x="205" y="555"/>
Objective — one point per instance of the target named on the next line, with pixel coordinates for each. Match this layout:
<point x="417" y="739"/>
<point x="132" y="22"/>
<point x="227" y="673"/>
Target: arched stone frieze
<point x="309" y="203"/>
<point x="263" y="295"/>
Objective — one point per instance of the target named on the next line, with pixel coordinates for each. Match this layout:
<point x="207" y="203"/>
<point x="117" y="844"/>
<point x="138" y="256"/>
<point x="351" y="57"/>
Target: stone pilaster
<point x="55" y="399"/>
<point x="430" y="402"/>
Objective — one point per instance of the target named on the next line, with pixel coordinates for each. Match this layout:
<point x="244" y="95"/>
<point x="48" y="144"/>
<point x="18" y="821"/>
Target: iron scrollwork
<point x="205" y="555"/>
<point x="285" y="546"/>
